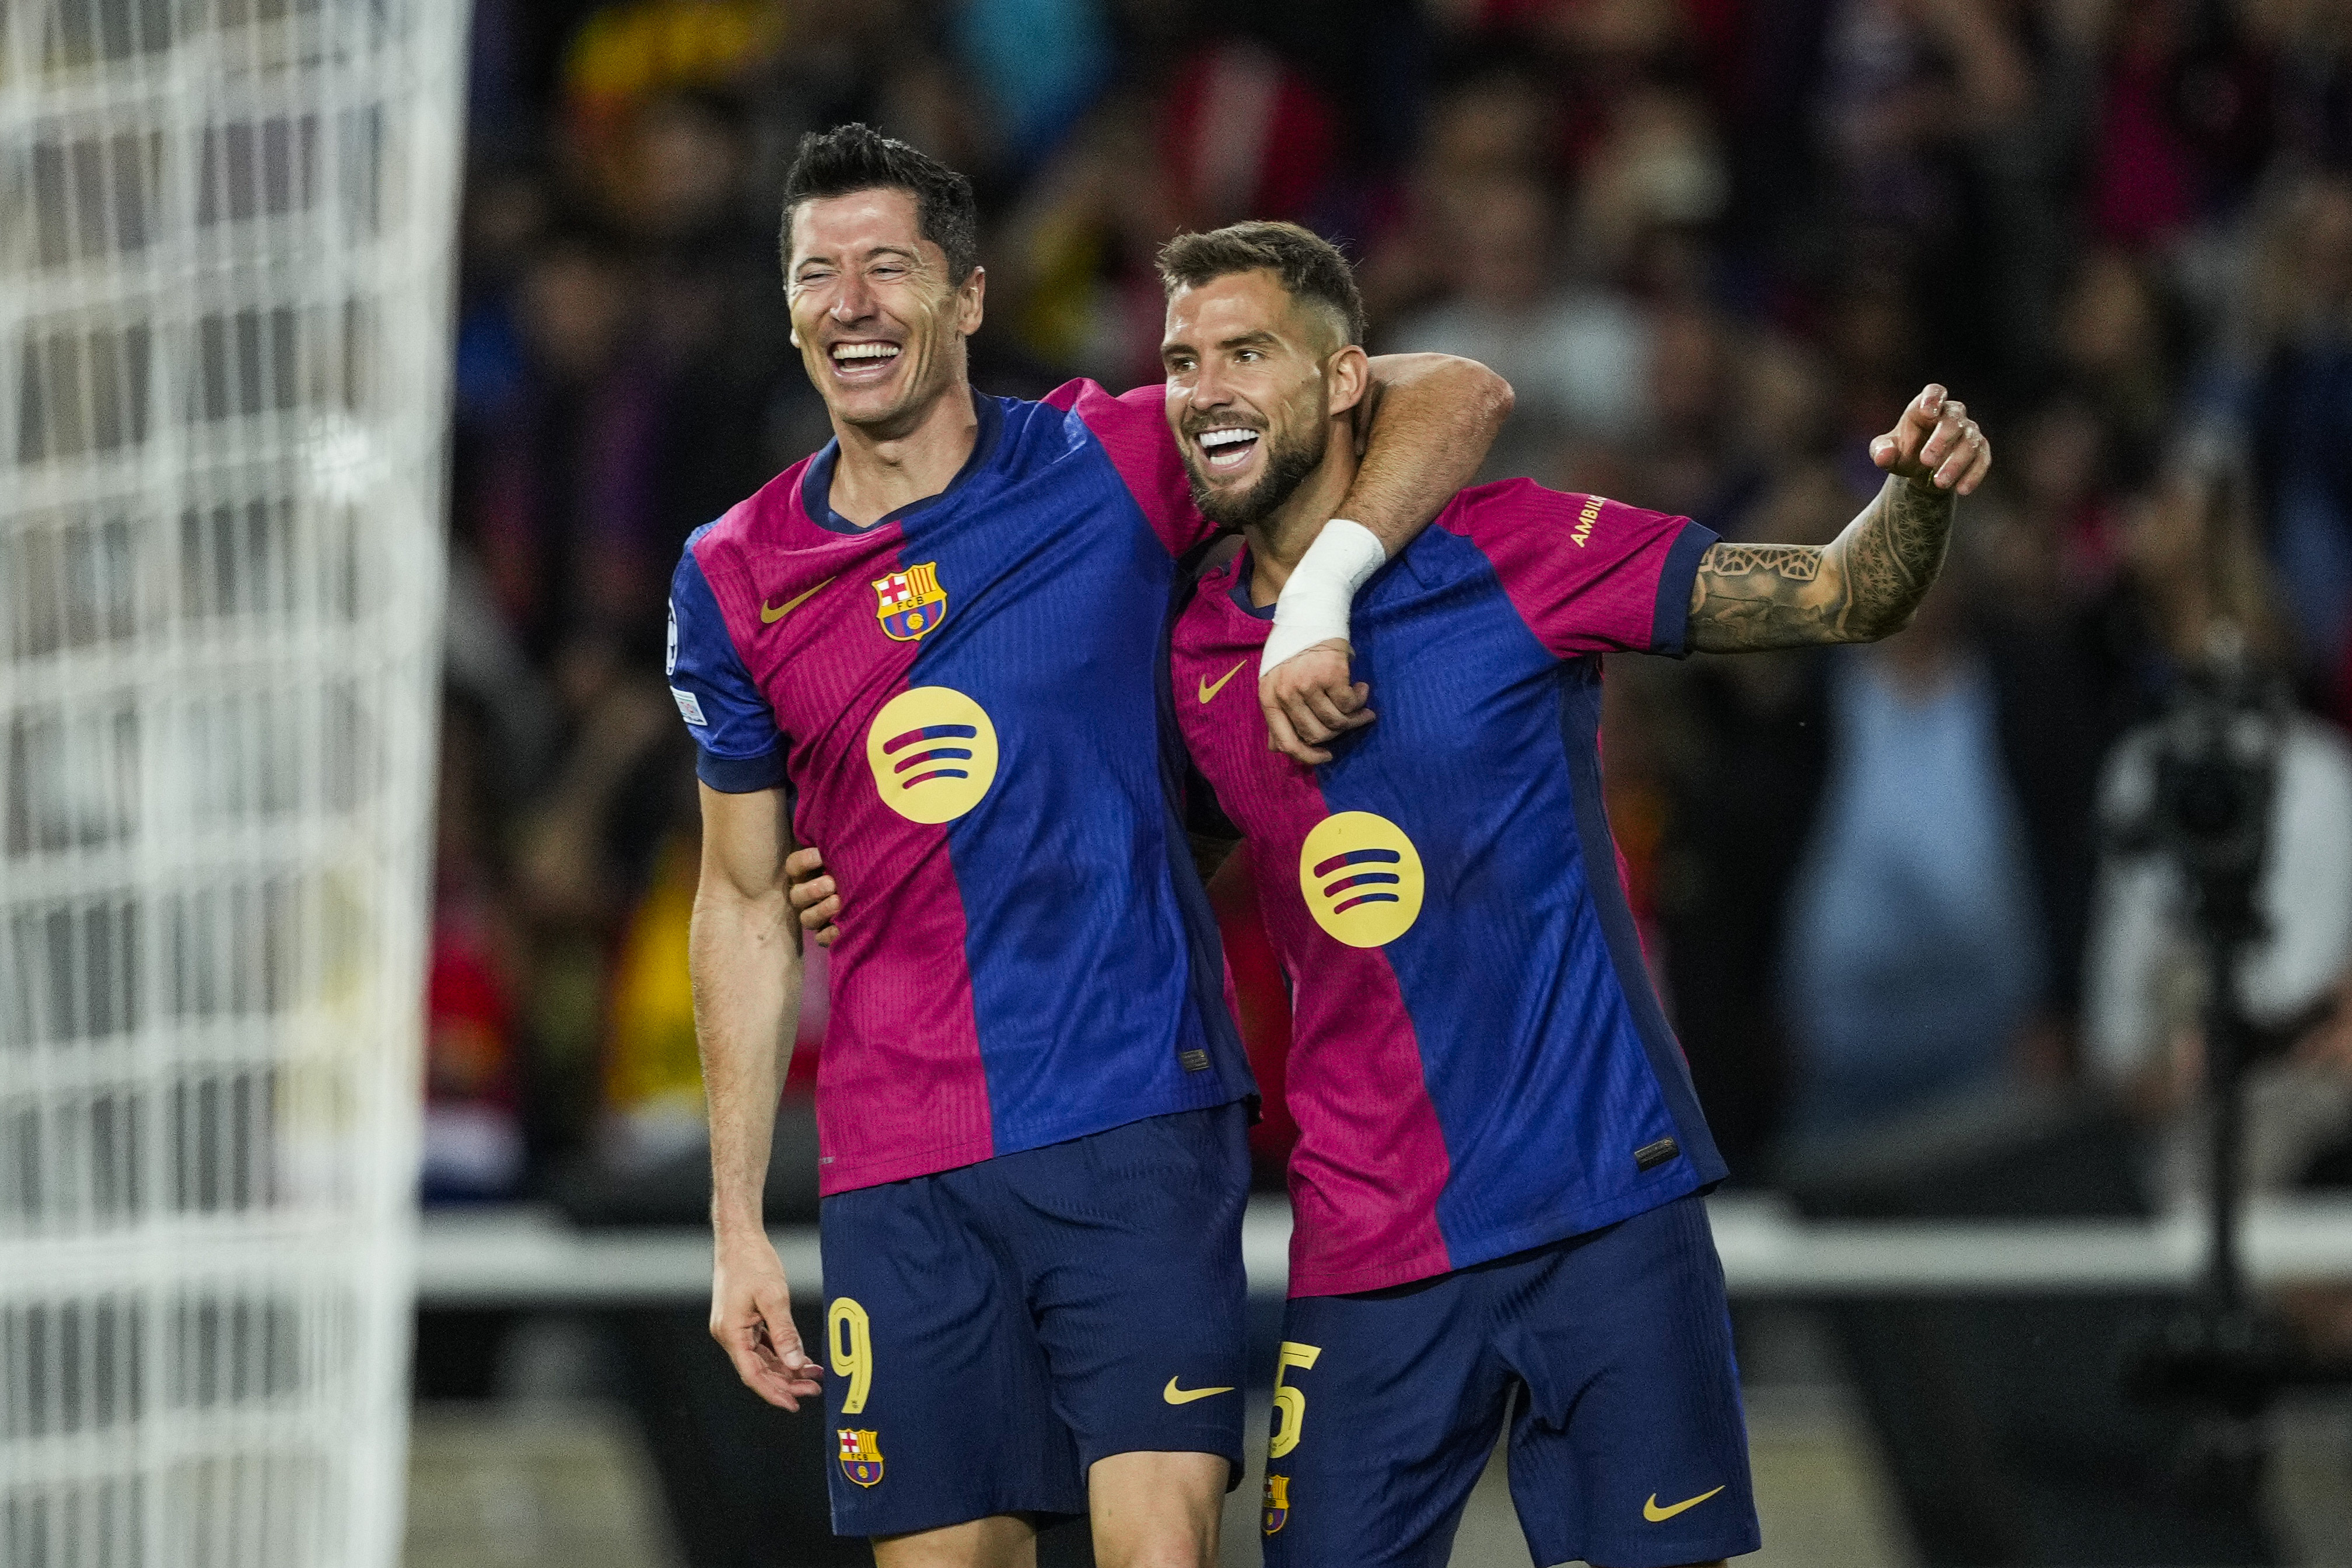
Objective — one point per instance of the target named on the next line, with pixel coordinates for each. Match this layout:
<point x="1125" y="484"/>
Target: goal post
<point x="226" y="241"/>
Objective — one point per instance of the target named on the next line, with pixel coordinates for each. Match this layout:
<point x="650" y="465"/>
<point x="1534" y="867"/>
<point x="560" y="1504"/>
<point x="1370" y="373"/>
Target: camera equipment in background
<point x="2209" y="810"/>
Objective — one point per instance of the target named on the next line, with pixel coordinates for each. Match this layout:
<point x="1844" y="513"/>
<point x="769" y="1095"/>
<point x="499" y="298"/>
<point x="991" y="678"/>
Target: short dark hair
<point x="857" y="157"/>
<point x="1308" y="264"/>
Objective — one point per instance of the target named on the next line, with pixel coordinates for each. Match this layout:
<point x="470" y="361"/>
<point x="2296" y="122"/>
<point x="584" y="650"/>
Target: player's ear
<point x="1348" y="375"/>
<point x="969" y="300"/>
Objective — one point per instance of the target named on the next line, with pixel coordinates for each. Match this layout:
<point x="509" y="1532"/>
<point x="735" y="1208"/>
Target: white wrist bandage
<point x="1313" y="605"/>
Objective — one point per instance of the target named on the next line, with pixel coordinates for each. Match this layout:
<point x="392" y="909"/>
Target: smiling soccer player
<point x="1496" y="1185"/>
<point x="937" y="647"/>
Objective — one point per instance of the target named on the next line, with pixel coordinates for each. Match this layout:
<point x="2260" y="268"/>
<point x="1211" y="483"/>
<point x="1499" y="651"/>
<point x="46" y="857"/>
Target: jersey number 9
<point x="849" y="1345"/>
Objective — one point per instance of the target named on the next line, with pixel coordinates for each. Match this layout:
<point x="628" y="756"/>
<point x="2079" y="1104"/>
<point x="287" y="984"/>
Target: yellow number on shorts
<point x="1289" y="1403"/>
<point x="852" y="1354"/>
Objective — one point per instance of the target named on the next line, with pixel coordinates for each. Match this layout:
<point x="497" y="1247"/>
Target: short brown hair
<point x="1309" y="266"/>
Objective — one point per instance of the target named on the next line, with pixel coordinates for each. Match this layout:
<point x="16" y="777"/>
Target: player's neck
<point x="878" y="473"/>
<point x="1278" y="540"/>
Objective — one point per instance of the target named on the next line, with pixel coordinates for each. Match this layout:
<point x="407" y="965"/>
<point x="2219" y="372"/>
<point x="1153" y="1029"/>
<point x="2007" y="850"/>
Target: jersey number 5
<point x="1289" y="1403"/>
<point x="849" y="1345"/>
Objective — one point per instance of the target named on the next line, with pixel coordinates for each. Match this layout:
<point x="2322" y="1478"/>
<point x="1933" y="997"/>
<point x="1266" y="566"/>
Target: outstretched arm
<point x="746" y="965"/>
<point x="1866" y="582"/>
<point x="1425" y="426"/>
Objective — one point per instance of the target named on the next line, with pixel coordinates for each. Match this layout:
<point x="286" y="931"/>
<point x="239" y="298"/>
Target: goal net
<point x="225" y="272"/>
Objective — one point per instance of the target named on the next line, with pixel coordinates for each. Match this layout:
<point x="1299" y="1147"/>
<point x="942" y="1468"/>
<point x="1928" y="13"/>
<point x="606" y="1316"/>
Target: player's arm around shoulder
<point x="1866" y="582"/>
<point x="1422" y="428"/>
<point x="745" y="959"/>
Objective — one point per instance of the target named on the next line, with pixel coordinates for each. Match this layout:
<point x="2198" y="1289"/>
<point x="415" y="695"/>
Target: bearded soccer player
<point x="1496" y="1185"/>
<point x="937" y="644"/>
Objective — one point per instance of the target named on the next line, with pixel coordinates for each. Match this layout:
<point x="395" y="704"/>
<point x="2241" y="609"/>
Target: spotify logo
<point x="933" y="752"/>
<point x="1361" y="878"/>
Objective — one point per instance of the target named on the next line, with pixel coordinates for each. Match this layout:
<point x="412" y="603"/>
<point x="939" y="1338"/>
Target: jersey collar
<point x="816" y="483"/>
<point x="1239" y="591"/>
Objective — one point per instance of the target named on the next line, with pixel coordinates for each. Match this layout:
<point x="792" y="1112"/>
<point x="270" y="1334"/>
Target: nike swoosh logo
<point x="1656" y="1515"/>
<point x="769" y="617"/>
<point x="1208" y="691"/>
<point x="1175" y="1395"/>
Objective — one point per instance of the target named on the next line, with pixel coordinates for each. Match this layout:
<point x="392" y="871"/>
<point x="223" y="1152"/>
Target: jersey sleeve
<point x="738" y="748"/>
<point x="1133" y="429"/>
<point x="1587" y="574"/>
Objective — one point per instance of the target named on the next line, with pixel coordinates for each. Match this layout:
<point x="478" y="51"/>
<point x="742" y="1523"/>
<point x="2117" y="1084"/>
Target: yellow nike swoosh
<point x="1656" y="1515"/>
<point x="1175" y="1395"/>
<point x="1208" y="691"/>
<point x="769" y="617"/>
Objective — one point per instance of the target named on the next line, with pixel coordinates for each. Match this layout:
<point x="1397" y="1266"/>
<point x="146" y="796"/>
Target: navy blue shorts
<point x="1609" y="1354"/>
<point x="993" y="1330"/>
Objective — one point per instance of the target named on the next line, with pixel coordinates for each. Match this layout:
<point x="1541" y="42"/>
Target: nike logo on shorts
<point x="1656" y="1515"/>
<point x="1175" y="1395"/>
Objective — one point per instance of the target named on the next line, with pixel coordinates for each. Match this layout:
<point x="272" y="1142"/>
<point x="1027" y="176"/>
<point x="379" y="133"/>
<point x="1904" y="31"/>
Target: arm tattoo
<point x="1891" y="557"/>
<point x="1862" y="588"/>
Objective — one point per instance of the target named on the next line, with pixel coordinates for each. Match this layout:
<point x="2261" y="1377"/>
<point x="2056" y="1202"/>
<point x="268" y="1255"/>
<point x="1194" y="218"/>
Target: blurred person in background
<point x="1916" y="952"/>
<point x="473" y="1134"/>
<point x="2299" y="418"/>
<point x="1576" y="356"/>
<point x="2195" y="566"/>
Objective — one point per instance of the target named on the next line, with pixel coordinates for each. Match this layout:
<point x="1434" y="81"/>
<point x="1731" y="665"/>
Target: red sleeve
<point x="1133" y="429"/>
<point x="1587" y="574"/>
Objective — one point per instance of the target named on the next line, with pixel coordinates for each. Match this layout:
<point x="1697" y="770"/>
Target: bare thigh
<point x="1000" y="1540"/>
<point x="1157" y="1509"/>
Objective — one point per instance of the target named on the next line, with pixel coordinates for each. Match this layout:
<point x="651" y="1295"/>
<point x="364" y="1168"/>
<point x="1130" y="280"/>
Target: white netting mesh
<point x="224" y="238"/>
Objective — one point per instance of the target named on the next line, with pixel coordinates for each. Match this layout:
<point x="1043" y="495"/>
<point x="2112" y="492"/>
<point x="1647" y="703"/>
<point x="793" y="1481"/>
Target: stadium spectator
<point x="1575" y="355"/>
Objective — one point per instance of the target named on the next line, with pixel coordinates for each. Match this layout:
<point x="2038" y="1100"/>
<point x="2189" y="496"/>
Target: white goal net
<point x="225" y="265"/>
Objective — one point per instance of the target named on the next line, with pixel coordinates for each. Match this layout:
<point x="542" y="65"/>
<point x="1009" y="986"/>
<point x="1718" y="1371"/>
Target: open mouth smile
<point x="862" y="361"/>
<point x="1227" y="446"/>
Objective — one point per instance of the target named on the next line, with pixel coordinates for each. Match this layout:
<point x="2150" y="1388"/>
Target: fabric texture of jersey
<point x="1000" y="1327"/>
<point x="1479" y="1063"/>
<point x="1610" y="1354"/>
<point x="967" y="702"/>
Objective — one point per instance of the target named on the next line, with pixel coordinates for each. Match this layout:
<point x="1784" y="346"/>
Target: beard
<point x="1287" y="464"/>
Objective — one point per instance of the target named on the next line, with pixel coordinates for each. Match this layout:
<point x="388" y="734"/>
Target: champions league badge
<point x="861" y="1456"/>
<point x="1277" y="1502"/>
<point x="910" y="603"/>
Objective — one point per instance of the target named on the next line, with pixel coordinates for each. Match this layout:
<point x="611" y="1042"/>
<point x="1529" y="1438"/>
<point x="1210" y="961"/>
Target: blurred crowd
<point x="1715" y="245"/>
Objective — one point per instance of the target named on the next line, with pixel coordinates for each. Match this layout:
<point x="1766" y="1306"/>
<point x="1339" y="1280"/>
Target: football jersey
<point x="1478" y="1061"/>
<point x="967" y="702"/>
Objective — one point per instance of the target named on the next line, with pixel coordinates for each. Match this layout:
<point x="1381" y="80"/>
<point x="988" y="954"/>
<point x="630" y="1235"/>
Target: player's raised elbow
<point x="1462" y="384"/>
<point x="1488" y="393"/>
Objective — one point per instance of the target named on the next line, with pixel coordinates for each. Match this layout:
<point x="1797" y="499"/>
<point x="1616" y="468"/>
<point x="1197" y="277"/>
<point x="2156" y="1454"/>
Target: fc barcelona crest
<point x="910" y="603"/>
<point x="1277" y="1502"/>
<point x="861" y="1456"/>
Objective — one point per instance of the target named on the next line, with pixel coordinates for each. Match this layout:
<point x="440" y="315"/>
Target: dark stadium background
<point x="1714" y="244"/>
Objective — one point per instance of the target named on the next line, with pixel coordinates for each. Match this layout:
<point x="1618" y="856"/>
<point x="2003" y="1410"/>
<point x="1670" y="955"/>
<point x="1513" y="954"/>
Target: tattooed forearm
<point x="1752" y="596"/>
<point x="1891" y="555"/>
<point x="1862" y="586"/>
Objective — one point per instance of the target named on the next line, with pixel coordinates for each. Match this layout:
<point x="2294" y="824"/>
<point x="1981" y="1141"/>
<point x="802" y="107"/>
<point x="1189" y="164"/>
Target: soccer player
<point x="938" y="644"/>
<point x="1496" y="1185"/>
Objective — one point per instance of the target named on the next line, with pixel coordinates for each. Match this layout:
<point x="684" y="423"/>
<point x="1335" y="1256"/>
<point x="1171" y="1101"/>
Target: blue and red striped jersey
<point x="1479" y="1063"/>
<point x="968" y="703"/>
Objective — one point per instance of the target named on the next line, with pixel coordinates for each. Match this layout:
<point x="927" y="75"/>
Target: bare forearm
<point x="1430" y="419"/>
<point x="747" y="990"/>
